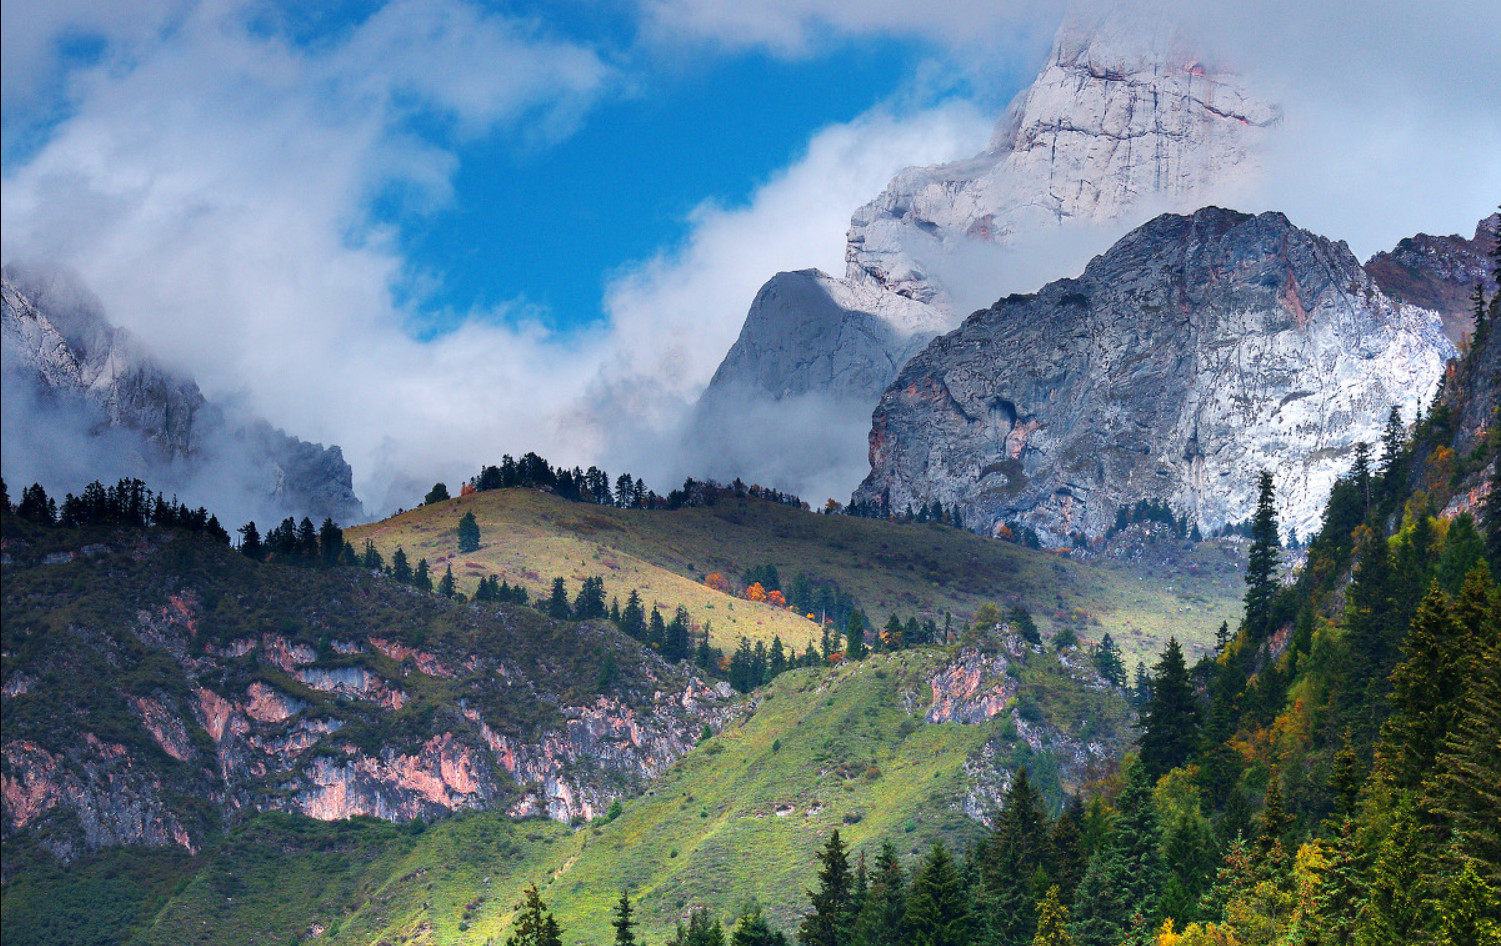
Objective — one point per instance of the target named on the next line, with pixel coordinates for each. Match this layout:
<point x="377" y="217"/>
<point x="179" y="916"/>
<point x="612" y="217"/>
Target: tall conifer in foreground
<point x="828" y="923"/>
<point x="938" y="904"/>
<point x="1261" y="561"/>
<point x="1125" y="876"/>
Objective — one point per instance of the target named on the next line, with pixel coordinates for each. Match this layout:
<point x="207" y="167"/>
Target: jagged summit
<point x="84" y="399"/>
<point x="1194" y="353"/>
<point x="1123" y="117"/>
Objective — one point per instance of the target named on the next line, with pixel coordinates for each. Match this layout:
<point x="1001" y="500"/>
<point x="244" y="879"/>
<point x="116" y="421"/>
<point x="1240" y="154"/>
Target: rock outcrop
<point x="174" y="710"/>
<point x="74" y="379"/>
<point x="1124" y="118"/>
<point x="1122" y="121"/>
<point x="1440" y="273"/>
<point x="1195" y="352"/>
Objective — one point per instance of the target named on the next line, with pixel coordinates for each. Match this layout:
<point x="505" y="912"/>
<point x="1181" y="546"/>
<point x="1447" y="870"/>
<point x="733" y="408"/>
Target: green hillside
<point x="530" y="537"/>
<point x="740" y="817"/>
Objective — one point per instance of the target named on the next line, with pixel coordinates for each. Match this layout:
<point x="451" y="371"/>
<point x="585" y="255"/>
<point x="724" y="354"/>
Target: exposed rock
<point x="271" y="722"/>
<point x="80" y="378"/>
<point x="1440" y="273"/>
<point x="1197" y="351"/>
<point x="1123" y="118"/>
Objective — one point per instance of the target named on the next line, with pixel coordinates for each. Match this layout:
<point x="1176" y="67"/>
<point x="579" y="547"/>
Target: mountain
<point x="184" y="688"/>
<point x="85" y="400"/>
<point x="1122" y="121"/>
<point x="1197" y="351"/>
<point x="1440" y="273"/>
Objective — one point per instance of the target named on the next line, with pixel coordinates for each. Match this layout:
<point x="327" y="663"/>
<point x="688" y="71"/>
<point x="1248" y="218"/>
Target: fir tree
<point x="625" y="927"/>
<point x="535" y="925"/>
<point x="854" y="635"/>
<point x="1107" y="660"/>
<point x="937" y="904"/>
<point x="401" y="570"/>
<point x="1275" y="822"/>
<point x="1470" y="913"/>
<point x="468" y="533"/>
<point x="1014" y="853"/>
<point x="557" y="602"/>
<point x="753" y="930"/>
<point x="1170" y="723"/>
<point x="1261" y="561"/>
<point x="1426" y="689"/>
<point x="250" y="542"/>
<point x="879" y="922"/>
<point x="829" y="921"/>
<point x="1125" y="876"/>
<point x="422" y="578"/>
<point x="1052" y="921"/>
<point x="1067" y="856"/>
<point x="445" y="584"/>
<point x="633" y="617"/>
<point x="1393" y="447"/>
<point x="1396" y="907"/>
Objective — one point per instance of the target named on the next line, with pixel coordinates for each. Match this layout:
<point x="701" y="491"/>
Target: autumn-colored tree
<point x="776" y="599"/>
<point x="755" y="592"/>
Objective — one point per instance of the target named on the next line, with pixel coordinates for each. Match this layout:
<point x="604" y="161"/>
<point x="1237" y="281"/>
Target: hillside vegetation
<point x="1161" y="589"/>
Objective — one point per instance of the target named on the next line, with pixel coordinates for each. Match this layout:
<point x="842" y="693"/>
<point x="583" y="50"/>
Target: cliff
<point x="158" y="688"/>
<point x="79" y="386"/>
<point x="1195" y="352"/>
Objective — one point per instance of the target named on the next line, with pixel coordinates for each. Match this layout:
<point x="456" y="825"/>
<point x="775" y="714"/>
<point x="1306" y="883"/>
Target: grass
<point x="741" y="817"/>
<point x="530" y="537"/>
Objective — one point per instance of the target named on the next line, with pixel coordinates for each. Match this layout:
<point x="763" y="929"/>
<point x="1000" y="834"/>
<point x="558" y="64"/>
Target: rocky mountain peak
<point x="85" y="400"/>
<point x="1122" y="118"/>
<point x="1197" y="351"/>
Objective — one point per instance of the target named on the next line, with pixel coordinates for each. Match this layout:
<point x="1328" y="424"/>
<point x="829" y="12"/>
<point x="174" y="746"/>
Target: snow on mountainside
<point x="1122" y="119"/>
<point x="1196" y="352"/>
<point x="84" y="400"/>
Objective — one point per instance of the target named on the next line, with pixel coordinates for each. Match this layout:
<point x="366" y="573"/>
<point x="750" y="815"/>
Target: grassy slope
<point x="827" y="749"/>
<point x="532" y="537"/>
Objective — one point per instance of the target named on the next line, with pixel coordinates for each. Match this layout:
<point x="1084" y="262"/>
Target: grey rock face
<point x="90" y="390"/>
<point x="808" y="332"/>
<point x="1122" y="118"/>
<point x="1195" y="352"/>
<point x="1440" y="273"/>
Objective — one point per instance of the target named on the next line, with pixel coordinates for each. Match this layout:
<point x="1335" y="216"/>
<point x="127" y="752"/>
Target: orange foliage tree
<point x="755" y="593"/>
<point x="776" y="599"/>
<point x="718" y="582"/>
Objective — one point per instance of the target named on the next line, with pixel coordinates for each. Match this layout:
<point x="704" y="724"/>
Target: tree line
<point x="127" y="503"/>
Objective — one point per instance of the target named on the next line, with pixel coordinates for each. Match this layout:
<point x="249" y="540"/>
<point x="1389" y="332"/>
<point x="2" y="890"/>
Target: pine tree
<point x="250" y="542"/>
<point x="1426" y="689"/>
<point x="1052" y="921"/>
<point x="445" y="584"/>
<point x="1396" y="909"/>
<point x="1015" y="851"/>
<point x="1170" y="723"/>
<point x="854" y="635"/>
<point x="1275" y="822"/>
<point x="624" y="927"/>
<point x="1125" y="876"/>
<point x="879" y="922"/>
<point x="422" y="578"/>
<point x="557" y="602"/>
<point x="400" y="569"/>
<point x="1468" y="914"/>
<point x="468" y="533"/>
<point x="1067" y="857"/>
<point x="753" y="930"/>
<point x="1393" y="448"/>
<point x="1107" y="660"/>
<point x="828" y="923"/>
<point x="535" y="925"/>
<point x="1261" y="561"/>
<point x="937" y="904"/>
<point x="1222" y="637"/>
<point x="633" y="617"/>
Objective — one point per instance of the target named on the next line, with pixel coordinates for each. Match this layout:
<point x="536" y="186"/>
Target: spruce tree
<point x="828" y="922"/>
<point x="854" y="635"/>
<point x="422" y="578"/>
<point x="1067" y="857"/>
<point x="938" y="909"/>
<point x="445" y="584"/>
<point x="753" y="930"/>
<point x="1261" y="561"/>
<point x="250" y="542"/>
<point x="1014" y="853"/>
<point x="1170" y="723"/>
<point x="879" y="922"/>
<point x="557" y="602"/>
<point x="1052" y="921"/>
<point x="535" y="925"/>
<point x="1125" y="877"/>
<point x="1275" y="822"/>
<point x="1426" y="689"/>
<point x="401" y="570"/>
<point x="625" y="927"/>
<point x="1470" y="912"/>
<point x="468" y="533"/>
<point x="1396" y="910"/>
<point x="1393" y="448"/>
